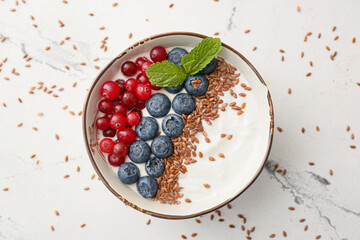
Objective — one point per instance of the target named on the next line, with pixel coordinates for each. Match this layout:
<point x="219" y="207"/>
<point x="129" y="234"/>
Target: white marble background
<point x="329" y="99"/>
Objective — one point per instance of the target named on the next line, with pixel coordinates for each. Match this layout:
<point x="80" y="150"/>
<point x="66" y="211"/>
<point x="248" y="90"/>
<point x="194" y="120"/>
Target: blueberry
<point x="139" y="151"/>
<point x="162" y="147"/>
<point x="183" y="103"/>
<point x="147" y="128"/>
<point x="147" y="187"/>
<point x="172" y="125"/>
<point x="175" y="89"/>
<point x="196" y="85"/>
<point x="158" y="105"/>
<point x="154" y="167"/>
<point x="175" y="55"/>
<point x="209" y="68"/>
<point x="128" y="173"/>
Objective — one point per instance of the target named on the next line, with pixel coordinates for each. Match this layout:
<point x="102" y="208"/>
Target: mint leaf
<point x="166" y="74"/>
<point x="201" y="55"/>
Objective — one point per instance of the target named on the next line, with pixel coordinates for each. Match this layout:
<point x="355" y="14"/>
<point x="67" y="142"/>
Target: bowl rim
<point x="161" y="215"/>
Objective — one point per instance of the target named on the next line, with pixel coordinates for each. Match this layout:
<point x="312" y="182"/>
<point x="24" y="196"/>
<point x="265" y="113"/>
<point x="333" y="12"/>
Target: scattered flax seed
<point x="302" y="220"/>
<point x="82" y="225"/>
<point x="65" y="107"/>
<point x="282" y="51"/>
<point x="57" y="213"/>
<point x="311" y="163"/>
<point x="93" y="176"/>
<point x="91" y="14"/>
<point x="306" y="228"/>
<point x="289" y="91"/>
<point x="282" y="58"/>
<point x="279" y="129"/>
<point x="353" y="40"/>
<point x="74" y="47"/>
<point x="130" y="35"/>
<point x="201" y="154"/>
<point x="334" y="28"/>
<point x="6" y="189"/>
<point x="66" y="158"/>
<point x="254" y="48"/>
<point x="61" y="23"/>
<point x="302" y="54"/>
<point x="352" y="136"/>
<point x="171" y="5"/>
<point x="32" y="156"/>
<point x="284" y="171"/>
<point x="229" y="137"/>
<point x="308" y="74"/>
<point x="20" y="100"/>
<point x="62" y="42"/>
<point x="188" y="200"/>
<point x="291" y="208"/>
<point x="298" y="9"/>
<point x="52" y="228"/>
<point x="183" y="236"/>
<point x="79" y="113"/>
<point x="57" y="137"/>
<point x="55" y="95"/>
<point x="247" y="31"/>
<point x="223" y="135"/>
<point x="86" y="188"/>
<point x="352" y="146"/>
<point x="148" y="222"/>
<point x="348" y="128"/>
<point x="83" y="63"/>
<point x="327" y="48"/>
<point x="194" y="234"/>
<point x="319" y="35"/>
<point x="67" y="67"/>
<point x="331" y="172"/>
<point x="206" y="185"/>
<point x="72" y="113"/>
<point x="231" y="226"/>
<point x="318" y="237"/>
<point x="47" y="48"/>
<point x="115" y="4"/>
<point x="221" y="155"/>
<point x="217" y="33"/>
<point x="221" y="220"/>
<point x="229" y="206"/>
<point x="207" y="140"/>
<point x="212" y="159"/>
<point x="78" y="169"/>
<point x="102" y="28"/>
<point x="37" y="162"/>
<point x="272" y="235"/>
<point x="284" y="234"/>
<point x="336" y="38"/>
<point x="74" y="84"/>
<point x="317" y="128"/>
<point x="20" y="124"/>
<point x="35" y="128"/>
<point x="198" y="220"/>
<point x="311" y="63"/>
<point x="303" y="130"/>
<point x="32" y="17"/>
<point x="66" y="176"/>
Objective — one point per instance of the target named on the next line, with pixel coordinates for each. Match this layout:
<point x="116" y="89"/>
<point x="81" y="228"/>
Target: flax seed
<point x="221" y="155"/>
<point x="148" y="222"/>
<point x="171" y="5"/>
<point x="291" y="208"/>
<point x="247" y="31"/>
<point x="308" y="74"/>
<point x="212" y="159"/>
<point x="52" y="228"/>
<point x="82" y="225"/>
<point x="284" y="234"/>
<point x="206" y="185"/>
<point x="86" y="188"/>
<point x="272" y="235"/>
<point x="306" y="228"/>
<point x="20" y="124"/>
<point x="187" y="200"/>
<point x="311" y="163"/>
<point x="217" y="33"/>
<point x="298" y="9"/>
<point x="279" y="129"/>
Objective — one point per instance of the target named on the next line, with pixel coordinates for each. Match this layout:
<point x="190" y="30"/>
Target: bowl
<point x="245" y="175"/>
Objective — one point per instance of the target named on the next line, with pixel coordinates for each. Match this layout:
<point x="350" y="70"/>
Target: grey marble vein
<point x="230" y="22"/>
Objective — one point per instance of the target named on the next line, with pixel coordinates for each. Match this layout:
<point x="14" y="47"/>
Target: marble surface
<point x="328" y="99"/>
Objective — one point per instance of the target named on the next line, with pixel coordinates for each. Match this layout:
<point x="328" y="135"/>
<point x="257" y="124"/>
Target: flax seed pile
<point x="223" y="79"/>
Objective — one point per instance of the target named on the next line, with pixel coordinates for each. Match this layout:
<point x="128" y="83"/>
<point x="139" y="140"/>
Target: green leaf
<point x="201" y="55"/>
<point x="166" y="74"/>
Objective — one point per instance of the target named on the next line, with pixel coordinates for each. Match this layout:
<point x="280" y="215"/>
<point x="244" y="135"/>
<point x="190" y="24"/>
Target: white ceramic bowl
<point x="253" y="166"/>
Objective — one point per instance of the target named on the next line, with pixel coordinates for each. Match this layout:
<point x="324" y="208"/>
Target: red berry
<point x="131" y="84"/>
<point x="145" y="66"/>
<point x="129" y="68"/>
<point x="141" y="104"/>
<point x="143" y="91"/>
<point x="133" y="118"/>
<point x="107" y="145"/>
<point x="121" y="84"/>
<point x="153" y="86"/>
<point x="129" y="99"/>
<point x="126" y="135"/>
<point x="121" y="149"/>
<point x="102" y="123"/>
<point x="120" y="108"/>
<point x="137" y="111"/>
<point x="141" y="78"/>
<point x="117" y="121"/>
<point x="115" y="160"/>
<point x="158" y="54"/>
<point x="140" y="60"/>
<point x="110" y="132"/>
<point x="105" y="106"/>
<point x="110" y="90"/>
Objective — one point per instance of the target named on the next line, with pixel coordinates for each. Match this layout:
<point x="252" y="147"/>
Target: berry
<point x="121" y="84"/>
<point x="131" y="84"/>
<point x="126" y="135"/>
<point x="154" y="167"/>
<point x="147" y="187"/>
<point x="120" y="108"/>
<point x="141" y="78"/>
<point x="162" y="147"/>
<point x="129" y="99"/>
<point x="175" y="55"/>
<point x="153" y="86"/>
<point x="129" y="68"/>
<point x="117" y="121"/>
<point x="147" y="128"/>
<point x="158" y="105"/>
<point x="105" y="106"/>
<point x="209" y="68"/>
<point x="110" y="132"/>
<point x="139" y="151"/>
<point x="120" y="149"/>
<point x="115" y="160"/>
<point x="140" y="60"/>
<point x="107" y="145"/>
<point x="172" y="125"/>
<point x="110" y="90"/>
<point x="102" y="123"/>
<point x="141" y="104"/>
<point x="196" y="85"/>
<point x="137" y="111"/>
<point x="144" y="67"/>
<point x="158" y="54"/>
<point x="175" y="89"/>
<point x="143" y="91"/>
<point x="183" y="103"/>
<point x="128" y="173"/>
<point x="133" y="118"/>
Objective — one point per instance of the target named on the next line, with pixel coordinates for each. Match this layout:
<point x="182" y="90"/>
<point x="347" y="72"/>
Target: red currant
<point x="121" y="84"/>
<point x="107" y="145"/>
<point x="143" y="91"/>
<point x="129" y="99"/>
<point x="110" y="90"/>
<point x="110" y="132"/>
<point x="140" y="60"/>
<point x="129" y="68"/>
<point x="145" y="66"/>
<point x="133" y="118"/>
<point x="120" y="108"/>
<point x="126" y="135"/>
<point x="141" y="104"/>
<point x="102" y="123"/>
<point x="137" y="111"/>
<point x="153" y="86"/>
<point x="141" y="78"/>
<point x="121" y="149"/>
<point x="158" y="54"/>
<point x="105" y="106"/>
<point x="115" y="160"/>
<point x="131" y="84"/>
<point x="117" y="121"/>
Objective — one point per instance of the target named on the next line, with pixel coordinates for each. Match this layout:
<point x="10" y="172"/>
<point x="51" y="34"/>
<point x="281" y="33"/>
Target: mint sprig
<point x="166" y="74"/>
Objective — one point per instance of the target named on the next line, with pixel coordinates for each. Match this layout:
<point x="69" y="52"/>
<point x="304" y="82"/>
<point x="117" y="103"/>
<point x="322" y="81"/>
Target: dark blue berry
<point x="147" y="128"/>
<point x="183" y="103"/>
<point x="139" y="151"/>
<point x="195" y="87"/>
<point x="154" y="167"/>
<point x="172" y="125"/>
<point x="147" y="187"/>
<point x="162" y="147"/>
<point x="128" y="173"/>
<point x="175" y="89"/>
<point x="209" y="68"/>
<point x="158" y="105"/>
<point x="175" y="55"/>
